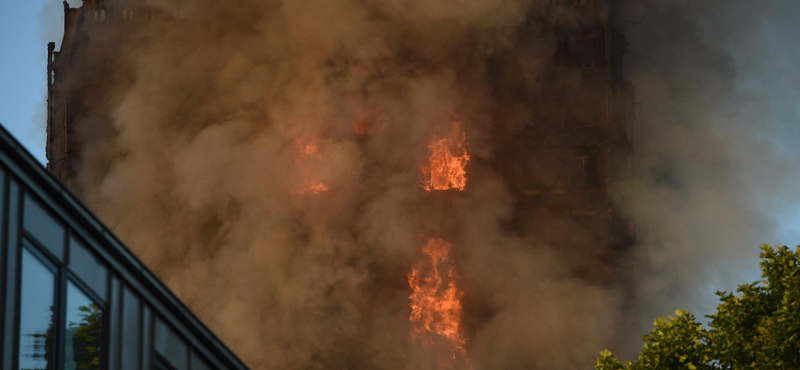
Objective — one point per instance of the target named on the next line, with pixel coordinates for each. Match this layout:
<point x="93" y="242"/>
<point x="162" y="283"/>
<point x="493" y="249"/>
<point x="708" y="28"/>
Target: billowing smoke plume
<point x="265" y="161"/>
<point x="717" y="129"/>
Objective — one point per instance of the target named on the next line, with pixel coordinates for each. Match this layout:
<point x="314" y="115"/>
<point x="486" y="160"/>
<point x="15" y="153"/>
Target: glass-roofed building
<point x="73" y="297"/>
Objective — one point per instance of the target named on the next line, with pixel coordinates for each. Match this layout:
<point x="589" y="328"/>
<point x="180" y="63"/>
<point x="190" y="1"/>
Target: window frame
<point x="63" y="275"/>
<point x="48" y="263"/>
<point x="159" y="362"/>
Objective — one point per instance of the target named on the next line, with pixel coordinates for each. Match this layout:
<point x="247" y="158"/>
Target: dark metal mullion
<point x="106" y="334"/>
<point x="60" y="302"/>
<point x="142" y="331"/>
<point x="114" y="321"/>
<point x="60" y="318"/>
<point x="189" y="357"/>
<point x="4" y="350"/>
<point x="148" y="337"/>
<point x="67" y="237"/>
<point x="14" y="244"/>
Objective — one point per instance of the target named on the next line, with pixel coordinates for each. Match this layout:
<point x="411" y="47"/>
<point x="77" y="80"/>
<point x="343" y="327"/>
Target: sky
<point x="25" y="29"/>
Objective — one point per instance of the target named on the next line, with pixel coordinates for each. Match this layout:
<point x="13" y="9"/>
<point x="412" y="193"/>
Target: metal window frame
<point x="125" y="292"/>
<point x="24" y="175"/>
<point x="70" y="235"/>
<point x="3" y="251"/>
<point x="160" y="363"/>
<point x="12" y="249"/>
<point x="71" y="277"/>
<point x="52" y="267"/>
<point x="63" y="276"/>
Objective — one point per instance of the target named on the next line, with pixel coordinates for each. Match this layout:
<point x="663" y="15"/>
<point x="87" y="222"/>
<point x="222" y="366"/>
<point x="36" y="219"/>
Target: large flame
<point x="436" y="300"/>
<point x="446" y="168"/>
<point x="308" y="155"/>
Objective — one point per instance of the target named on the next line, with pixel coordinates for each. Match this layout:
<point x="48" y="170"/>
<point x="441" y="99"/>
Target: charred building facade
<point x="561" y="118"/>
<point x="79" y="80"/>
<point x="572" y="168"/>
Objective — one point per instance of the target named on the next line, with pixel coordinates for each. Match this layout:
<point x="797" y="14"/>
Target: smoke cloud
<point x="715" y="146"/>
<point x="224" y="117"/>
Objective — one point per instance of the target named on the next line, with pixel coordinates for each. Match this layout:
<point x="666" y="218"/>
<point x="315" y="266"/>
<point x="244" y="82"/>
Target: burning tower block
<point x="572" y="166"/>
<point x="80" y="83"/>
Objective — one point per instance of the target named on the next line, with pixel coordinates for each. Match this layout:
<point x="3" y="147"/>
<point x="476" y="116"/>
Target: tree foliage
<point x="755" y="328"/>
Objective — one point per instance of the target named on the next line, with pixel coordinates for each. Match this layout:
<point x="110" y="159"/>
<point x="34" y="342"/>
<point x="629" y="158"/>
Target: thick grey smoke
<point x="205" y="176"/>
<point x="717" y="129"/>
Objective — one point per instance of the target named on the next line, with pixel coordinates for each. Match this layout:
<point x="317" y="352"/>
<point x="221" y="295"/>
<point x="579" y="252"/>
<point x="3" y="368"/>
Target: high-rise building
<point x="72" y="296"/>
<point x="571" y="165"/>
<point x="79" y="79"/>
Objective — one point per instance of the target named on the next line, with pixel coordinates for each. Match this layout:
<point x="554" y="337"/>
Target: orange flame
<point x="436" y="300"/>
<point x="368" y="117"/>
<point x="446" y="167"/>
<point x="306" y="160"/>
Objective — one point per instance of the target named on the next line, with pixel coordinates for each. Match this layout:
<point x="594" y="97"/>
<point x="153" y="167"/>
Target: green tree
<point x="755" y="328"/>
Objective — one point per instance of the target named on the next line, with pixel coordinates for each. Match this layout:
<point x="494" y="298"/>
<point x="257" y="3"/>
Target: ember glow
<point x="368" y="120"/>
<point x="436" y="300"/>
<point x="307" y="162"/>
<point x="446" y="167"/>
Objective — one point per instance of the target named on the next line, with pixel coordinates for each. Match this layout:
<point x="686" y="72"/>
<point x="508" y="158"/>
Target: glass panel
<point x="84" y="329"/>
<point x="131" y="331"/>
<point x="36" y="314"/>
<point x="43" y="226"/>
<point x="88" y="266"/>
<point x="171" y="346"/>
<point x="199" y="363"/>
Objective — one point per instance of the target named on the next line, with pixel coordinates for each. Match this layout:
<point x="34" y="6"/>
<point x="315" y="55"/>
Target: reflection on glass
<point x="43" y="226"/>
<point x="36" y="314"/>
<point x="171" y="345"/>
<point x="199" y="363"/>
<point x="84" y="329"/>
<point x="88" y="266"/>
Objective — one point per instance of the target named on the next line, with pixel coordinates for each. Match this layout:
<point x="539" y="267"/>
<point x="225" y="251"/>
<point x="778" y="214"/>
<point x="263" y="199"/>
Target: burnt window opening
<point x="543" y="174"/>
<point x="576" y="172"/>
<point x="583" y="51"/>
<point x="100" y="15"/>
